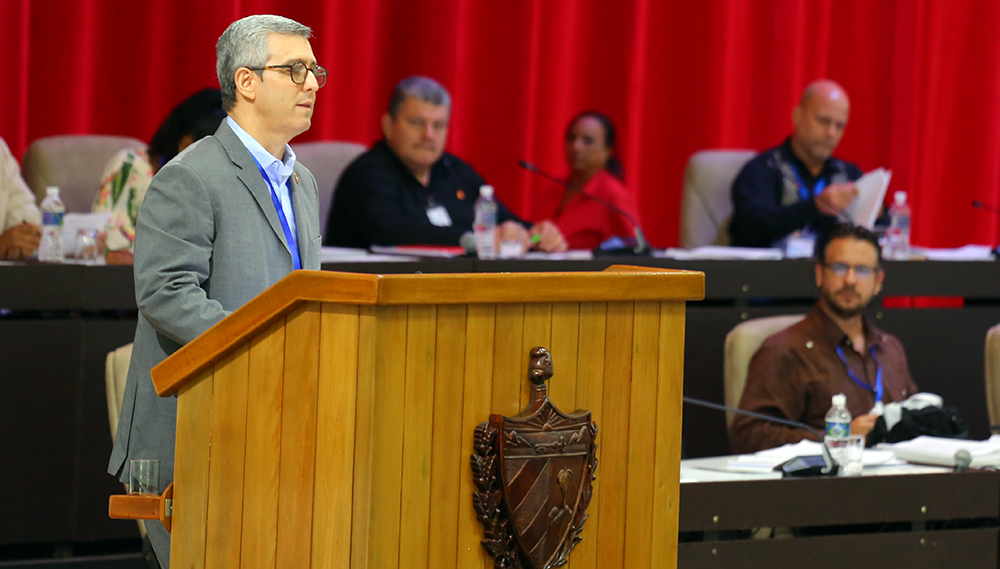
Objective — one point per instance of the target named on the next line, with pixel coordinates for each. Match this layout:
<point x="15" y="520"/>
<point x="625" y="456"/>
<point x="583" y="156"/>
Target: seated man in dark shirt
<point x="798" y="185"/>
<point x="835" y="349"/>
<point x="407" y="190"/>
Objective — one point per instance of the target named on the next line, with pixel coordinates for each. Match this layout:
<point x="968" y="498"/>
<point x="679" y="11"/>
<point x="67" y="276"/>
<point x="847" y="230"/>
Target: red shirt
<point x="585" y="223"/>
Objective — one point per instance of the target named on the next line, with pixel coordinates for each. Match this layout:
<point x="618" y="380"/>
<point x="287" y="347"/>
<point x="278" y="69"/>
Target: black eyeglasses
<point x="861" y="271"/>
<point x="298" y="71"/>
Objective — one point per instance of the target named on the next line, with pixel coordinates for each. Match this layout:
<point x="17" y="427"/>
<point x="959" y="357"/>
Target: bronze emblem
<point x="534" y="473"/>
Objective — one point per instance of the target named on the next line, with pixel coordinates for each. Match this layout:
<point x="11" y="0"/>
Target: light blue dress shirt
<point x="277" y="171"/>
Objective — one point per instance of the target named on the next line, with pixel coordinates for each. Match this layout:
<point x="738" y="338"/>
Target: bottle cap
<point x="900" y="198"/>
<point x="839" y="400"/>
<point x="52" y="191"/>
<point x="486" y="191"/>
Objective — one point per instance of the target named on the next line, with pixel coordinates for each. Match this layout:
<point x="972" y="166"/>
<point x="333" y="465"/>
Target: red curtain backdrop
<point x="676" y="76"/>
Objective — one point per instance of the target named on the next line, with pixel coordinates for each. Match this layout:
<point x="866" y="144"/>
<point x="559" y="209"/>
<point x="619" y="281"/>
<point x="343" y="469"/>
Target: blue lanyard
<point x="293" y="245"/>
<point x="878" y="374"/>
<point x="803" y="190"/>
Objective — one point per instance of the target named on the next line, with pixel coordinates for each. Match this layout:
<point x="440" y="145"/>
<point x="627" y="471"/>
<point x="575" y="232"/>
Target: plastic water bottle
<point x="838" y="427"/>
<point x="50" y="250"/>
<point x="899" y="228"/>
<point x="485" y="223"/>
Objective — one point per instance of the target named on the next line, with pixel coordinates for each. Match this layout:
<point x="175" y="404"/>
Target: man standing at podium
<point x="224" y="220"/>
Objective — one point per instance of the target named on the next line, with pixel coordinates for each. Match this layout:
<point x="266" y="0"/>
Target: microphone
<point x="641" y="245"/>
<point x="468" y="242"/>
<point x="800" y="466"/>
<point x="963" y="459"/>
<point x="980" y="205"/>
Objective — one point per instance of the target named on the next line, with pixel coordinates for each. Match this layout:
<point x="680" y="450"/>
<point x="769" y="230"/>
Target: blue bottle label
<point x="52" y="218"/>
<point x="838" y="430"/>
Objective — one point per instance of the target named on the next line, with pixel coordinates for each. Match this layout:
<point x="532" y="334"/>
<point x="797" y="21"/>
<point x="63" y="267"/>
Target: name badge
<point x="800" y="244"/>
<point x="438" y="216"/>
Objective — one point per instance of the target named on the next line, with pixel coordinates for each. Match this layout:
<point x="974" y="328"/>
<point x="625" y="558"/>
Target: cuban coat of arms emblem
<point x="534" y="473"/>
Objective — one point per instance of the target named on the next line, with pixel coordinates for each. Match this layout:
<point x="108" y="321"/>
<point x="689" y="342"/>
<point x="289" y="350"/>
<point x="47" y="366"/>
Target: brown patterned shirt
<point x="795" y="373"/>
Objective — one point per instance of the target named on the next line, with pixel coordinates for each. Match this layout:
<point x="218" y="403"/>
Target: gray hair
<point x="244" y="44"/>
<point x="421" y="88"/>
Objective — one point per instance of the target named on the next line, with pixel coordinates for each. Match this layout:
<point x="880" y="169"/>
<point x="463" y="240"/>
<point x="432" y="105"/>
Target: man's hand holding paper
<point x="836" y="198"/>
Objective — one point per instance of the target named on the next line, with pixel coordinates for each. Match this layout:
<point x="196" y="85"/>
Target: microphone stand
<point x="830" y="467"/>
<point x="641" y="245"/>
<point x="980" y="205"/>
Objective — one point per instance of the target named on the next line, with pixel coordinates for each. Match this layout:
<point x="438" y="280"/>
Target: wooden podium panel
<point x="338" y="433"/>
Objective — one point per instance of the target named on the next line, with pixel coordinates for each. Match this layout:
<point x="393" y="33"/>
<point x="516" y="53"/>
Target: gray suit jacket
<point x="208" y="239"/>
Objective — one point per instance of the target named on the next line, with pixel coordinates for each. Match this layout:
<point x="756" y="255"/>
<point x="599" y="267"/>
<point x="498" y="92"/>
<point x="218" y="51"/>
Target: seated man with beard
<point x="835" y="349"/>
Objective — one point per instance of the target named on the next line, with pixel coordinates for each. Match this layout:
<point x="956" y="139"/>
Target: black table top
<point x="36" y="286"/>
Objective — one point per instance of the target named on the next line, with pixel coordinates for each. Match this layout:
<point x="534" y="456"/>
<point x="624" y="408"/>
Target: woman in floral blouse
<point x="127" y="175"/>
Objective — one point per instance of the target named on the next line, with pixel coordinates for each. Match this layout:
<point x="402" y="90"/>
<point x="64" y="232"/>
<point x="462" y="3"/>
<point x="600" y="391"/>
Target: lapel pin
<point x="460" y="194"/>
<point x="296" y="177"/>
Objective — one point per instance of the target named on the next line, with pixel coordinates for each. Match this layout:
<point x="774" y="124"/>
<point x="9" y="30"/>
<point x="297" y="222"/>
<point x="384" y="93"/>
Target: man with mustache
<point x="835" y="349"/>
<point x="225" y="219"/>
<point x="798" y="186"/>
<point x="407" y="190"/>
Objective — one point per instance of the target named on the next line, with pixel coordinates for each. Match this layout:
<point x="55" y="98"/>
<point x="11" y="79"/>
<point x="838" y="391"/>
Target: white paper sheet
<point x="346" y="255"/>
<point x="872" y="188"/>
<point x="966" y="253"/>
<point x="936" y="450"/>
<point x="715" y="252"/>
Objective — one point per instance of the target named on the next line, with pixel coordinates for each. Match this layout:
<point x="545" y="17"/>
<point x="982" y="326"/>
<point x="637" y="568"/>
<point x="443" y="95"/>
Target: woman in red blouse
<point x="594" y="172"/>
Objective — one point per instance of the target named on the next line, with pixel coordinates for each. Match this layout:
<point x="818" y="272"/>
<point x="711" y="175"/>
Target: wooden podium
<point x="329" y="422"/>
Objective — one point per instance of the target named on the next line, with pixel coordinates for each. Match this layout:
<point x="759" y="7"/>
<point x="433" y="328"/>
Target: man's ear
<point x="386" y="124"/>
<point x="245" y="84"/>
<point x="879" y="278"/>
<point x="796" y="115"/>
<point x="819" y="275"/>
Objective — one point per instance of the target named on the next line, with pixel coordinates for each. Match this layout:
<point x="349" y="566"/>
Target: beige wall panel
<point x="418" y="425"/>
<point x="507" y="359"/>
<point x="225" y="472"/>
<point x="565" y="345"/>
<point x="387" y="436"/>
<point x="335" y="417"/>
<point x="450" y="459"/>
<point x="476" y="408"/>
<point x="260" y="483"/>
<point x="589" y="395"/>
<point x="361" y="516"/>
<point x="642" y="434"/>
<point x="298" y="438"/>
<point x="613" y="465"/>
<point x="193" y="442"/>
<point x="668" y="434"/>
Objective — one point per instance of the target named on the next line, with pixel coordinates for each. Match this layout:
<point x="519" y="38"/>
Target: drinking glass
<point x="86" y="245"/>
<point x="144" y="476"/>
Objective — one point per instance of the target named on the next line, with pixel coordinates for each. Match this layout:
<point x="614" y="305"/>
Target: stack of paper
<point x="441" y="251"/>
<point x="966" y="253"/>
<point x="346" y="255"/>
<point x="936" y="450"/>
<point x="571" y="255"/>
<point x="715" y="252"/>
<point x="766" y="460"/>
